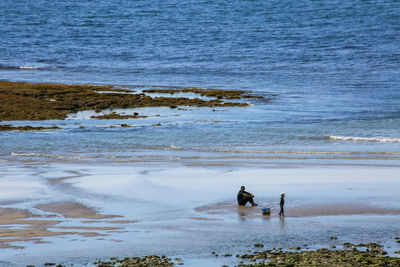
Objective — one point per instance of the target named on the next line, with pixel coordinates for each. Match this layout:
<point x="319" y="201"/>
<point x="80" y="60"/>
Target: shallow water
<point x="331" y="71"/>
<point x="194" y="210"/>
<point x="326" y="133"/>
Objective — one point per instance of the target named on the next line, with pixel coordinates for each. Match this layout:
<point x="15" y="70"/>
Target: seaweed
<point x="45" y="101"/>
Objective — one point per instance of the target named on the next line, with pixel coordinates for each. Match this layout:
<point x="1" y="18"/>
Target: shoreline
<point x="255" y="255"/>
<point x="197" y="215"/>
<point x="348" y="254"/>
<point x="87" y="206"/>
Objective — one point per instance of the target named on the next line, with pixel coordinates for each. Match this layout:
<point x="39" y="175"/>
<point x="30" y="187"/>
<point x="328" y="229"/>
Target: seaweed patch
<point x="44" y="101"/>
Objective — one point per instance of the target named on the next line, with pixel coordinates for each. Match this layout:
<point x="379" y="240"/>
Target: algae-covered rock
<point x="325" y="257"/>
<point x="137" y="261"/>
<point x="28" y="101"/>
<point x="215" y="93"/>
<point x="8" y="127"/>
<point x="115" y="115"/>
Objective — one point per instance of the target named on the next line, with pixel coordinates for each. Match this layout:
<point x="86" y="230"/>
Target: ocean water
<point x="330" y="71"/>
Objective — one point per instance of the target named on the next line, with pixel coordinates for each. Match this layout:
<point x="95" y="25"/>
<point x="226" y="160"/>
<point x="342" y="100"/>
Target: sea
<point x="326" y="132"/>
<point x="329" y="72"/>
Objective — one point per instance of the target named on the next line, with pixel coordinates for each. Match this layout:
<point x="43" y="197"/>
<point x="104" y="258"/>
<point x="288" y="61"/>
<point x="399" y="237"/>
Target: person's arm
<point x="248" y="194"/>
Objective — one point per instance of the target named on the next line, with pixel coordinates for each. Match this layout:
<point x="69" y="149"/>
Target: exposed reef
<point x="217" y="93"/>
<point x="8" y="127"/>
<point x="137" y="261"/>
<point x="115" y="115"/>
<point x="43" y="101"/>
<point x="370" y="255"/>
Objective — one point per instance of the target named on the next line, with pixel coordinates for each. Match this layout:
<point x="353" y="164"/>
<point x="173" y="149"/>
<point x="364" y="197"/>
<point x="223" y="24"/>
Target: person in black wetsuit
<point x="243" y="197"/>
<point x="281" y="204"/>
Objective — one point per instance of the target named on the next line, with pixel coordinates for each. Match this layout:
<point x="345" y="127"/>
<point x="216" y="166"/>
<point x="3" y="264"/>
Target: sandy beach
<point x="84" y="199"/>
<point x="85" y="212"/>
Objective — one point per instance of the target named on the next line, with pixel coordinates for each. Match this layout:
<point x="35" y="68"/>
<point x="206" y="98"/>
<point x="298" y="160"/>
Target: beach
<point x="86" y="212"/>
<point x="95" y="186"/>
<point x="127" y="129"/>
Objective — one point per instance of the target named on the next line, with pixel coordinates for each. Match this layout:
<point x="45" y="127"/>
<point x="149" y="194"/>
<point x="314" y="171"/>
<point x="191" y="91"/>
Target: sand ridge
<point x="19" y="225"/>
<point x="73" y="210"/>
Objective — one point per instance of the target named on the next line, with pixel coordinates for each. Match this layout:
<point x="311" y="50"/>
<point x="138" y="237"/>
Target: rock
<point x="28" y="101"/>
<point x="323" y="257"/>
<point x="114" y="115"/>
<point x="8" y="127"/>
<point x="137" y="261"/>
<point x="347" y="245"/>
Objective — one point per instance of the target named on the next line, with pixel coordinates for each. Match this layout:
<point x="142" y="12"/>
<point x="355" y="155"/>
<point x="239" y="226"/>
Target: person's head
<point x="242" y="188"/>
<point x="282" y="195"/>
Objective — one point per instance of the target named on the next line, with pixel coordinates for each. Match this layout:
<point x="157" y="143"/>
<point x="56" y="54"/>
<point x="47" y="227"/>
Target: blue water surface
<point x="332" y="66"/>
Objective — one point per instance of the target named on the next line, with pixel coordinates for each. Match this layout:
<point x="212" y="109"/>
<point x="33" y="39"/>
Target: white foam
<point x="365" y="139"/>
<point x="173" y="147"/>
<point x="13" y="154"/>
<point x="36" y="67"/>
<point x="28" y="68"/>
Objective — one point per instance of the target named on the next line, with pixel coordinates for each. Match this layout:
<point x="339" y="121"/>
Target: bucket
<point x="266" y="211"/>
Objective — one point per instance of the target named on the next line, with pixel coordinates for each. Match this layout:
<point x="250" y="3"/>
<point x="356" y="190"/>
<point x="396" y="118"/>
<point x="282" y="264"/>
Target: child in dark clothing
<point x="282" y="203"/>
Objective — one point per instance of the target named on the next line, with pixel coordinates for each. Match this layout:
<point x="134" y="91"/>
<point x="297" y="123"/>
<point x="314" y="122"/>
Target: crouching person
<point x="243" y="197"/>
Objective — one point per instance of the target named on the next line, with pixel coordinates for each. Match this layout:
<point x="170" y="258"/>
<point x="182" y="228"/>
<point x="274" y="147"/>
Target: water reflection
<point x="242" y="213"/>
<point x="282" y="222"/>
<point x="267" y="217"/>
<point x="245" y="212"/>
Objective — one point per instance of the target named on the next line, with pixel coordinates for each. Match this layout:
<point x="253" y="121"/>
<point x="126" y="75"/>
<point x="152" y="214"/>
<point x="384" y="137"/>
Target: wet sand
<point x="36" y="227"/>
<point x="77" y="210"/>
<point x="73" y="210"/>
<point x="301" y="211"/>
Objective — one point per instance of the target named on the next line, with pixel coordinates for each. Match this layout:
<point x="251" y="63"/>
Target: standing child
<point x="282" y="203"/>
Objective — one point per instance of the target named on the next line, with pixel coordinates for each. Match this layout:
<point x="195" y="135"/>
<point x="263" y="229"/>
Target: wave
<point x="28" y="68"/>
<point x="380" y="139"/>
<point x="14" y="154"/>
<point x="170" y="147"/>
<point x="8" y="67"/>
<point x="24" y="154"/>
